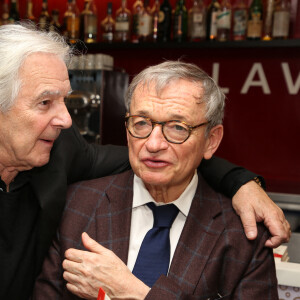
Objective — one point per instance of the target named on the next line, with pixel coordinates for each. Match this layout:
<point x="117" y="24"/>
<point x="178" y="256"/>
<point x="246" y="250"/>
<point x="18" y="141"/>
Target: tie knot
<point x="164" y="215"/>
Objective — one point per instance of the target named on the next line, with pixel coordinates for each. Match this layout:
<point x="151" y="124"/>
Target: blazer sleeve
<point x="224" y="176"/>
<point x="50" y="283"/>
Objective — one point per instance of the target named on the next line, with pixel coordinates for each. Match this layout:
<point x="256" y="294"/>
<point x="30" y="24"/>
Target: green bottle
<point x="180" y="22"/>
<point x="255" y="20"/>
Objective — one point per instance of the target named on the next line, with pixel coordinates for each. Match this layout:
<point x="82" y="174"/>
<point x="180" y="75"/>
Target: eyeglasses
<point x="174" y="131"/>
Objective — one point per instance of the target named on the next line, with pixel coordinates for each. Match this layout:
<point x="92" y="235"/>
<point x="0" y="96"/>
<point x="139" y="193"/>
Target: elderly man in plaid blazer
<point x="174" y="120"/>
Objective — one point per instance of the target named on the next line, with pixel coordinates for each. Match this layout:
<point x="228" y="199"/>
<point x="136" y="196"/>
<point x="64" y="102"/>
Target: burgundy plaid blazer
<point x="213" y="257"/>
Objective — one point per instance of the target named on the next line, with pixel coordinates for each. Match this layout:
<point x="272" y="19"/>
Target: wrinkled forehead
<point x="173" y="86"/>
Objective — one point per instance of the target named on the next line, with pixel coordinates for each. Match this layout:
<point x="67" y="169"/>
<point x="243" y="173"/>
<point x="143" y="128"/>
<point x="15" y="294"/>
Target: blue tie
<point x="154" y="255"/>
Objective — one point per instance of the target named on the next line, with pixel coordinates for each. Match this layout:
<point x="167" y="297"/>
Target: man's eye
<point x="45" y="102"/>
<point x="141" y="123"/>
<point x="179" y="128"/>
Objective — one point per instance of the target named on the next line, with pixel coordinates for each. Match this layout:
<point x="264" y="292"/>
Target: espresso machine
<point x="96" y="104"/>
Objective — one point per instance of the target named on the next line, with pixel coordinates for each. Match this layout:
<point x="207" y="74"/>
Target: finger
<point x="91" y="244"/>
<point x="75" y="290"/>
<point x="249" y="223"/>
<point x="72" y="267"/>
<point x="273" y="242"/>
<point x="71" y="278"/>
<point x="280" y="231"/>
<point x="74" y="255"/>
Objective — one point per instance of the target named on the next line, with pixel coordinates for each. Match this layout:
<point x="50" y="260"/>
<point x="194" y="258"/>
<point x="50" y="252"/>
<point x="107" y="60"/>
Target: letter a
<point x="256" y="69"/>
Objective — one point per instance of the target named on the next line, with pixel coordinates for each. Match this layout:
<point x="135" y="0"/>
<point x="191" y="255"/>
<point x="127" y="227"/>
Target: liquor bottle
<point x="123" y="22"/>
<point x="108" y="25"/>
<point x="180" y="22"/>
<point x="155" y="20"/>
<point x="224" y="21"/>
<point x="267" y="25"/>
<point x="89" y="22"/>
<point x="240" y="17"/>
<point x="197" y="21"/>
<point x="165" y="22"/>
<point x="255" y="20"/>
<point x="71" y="23"/>
<point x="5" y="13"/>
<point x="211" y="20"/>
<point x="44" y="19"/>
<point x="14" y="15"/>
<point x="54" y="23"/>
<point x="29" y="14"/>
<point x="145" y="23"/>
<point x="137" y="10"/>
<point x="281" y="20"/>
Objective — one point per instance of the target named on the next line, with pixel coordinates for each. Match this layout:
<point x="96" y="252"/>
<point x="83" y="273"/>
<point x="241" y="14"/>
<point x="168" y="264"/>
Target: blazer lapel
<point x="120" y="196"/>
<point x="198" y="238"/>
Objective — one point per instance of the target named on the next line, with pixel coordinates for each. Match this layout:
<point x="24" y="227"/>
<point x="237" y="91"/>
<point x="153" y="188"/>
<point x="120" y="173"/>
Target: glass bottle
<point x="123" y="22"/>
<point x="180" y="22"/>
<point x="255" y="20"/>
<point x="71" y="22"/>
<point x="108" y="25"/>
<point x="281" y="20"/>
<point x="240" y="17"/>
<point x="155" y="20"/>
<point x="44" y="19"/>
<point x="29" y="14"/>
<point x="211" y="20"/>
<point x="5" y="13"/>
<point x="267" y="24"/>
<point x="165" y="22"/>
<point x="137" y="10"/>
<point x="14" y="15"/>
<point x="197" y="21"/>
<point x="89" y="22"/>
<point x="145" y="23"/>
<point x="224" y="21"/>
<point x="54" y="23"/>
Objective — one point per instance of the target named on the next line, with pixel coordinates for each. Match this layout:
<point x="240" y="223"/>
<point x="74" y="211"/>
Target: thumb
<point x="249" y="223"/>
<point x="90" y="244"/>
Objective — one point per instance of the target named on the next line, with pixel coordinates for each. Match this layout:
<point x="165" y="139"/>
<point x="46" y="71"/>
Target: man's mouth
<point x="155" y="163"/>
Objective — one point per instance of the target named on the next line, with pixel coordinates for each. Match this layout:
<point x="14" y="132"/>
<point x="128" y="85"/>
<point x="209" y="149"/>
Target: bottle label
<point x="281" y="24"/>
<point x="161" y="16"/>
<point x="122" y="25"/>
<point x="213" y="24"/>
<point x="145" y="22"/>
<point x="90" y="24"/>
<point x="240" y="22"/>
<point x="224" y="19"/>
<point x="254" y="29"/>
<point x="197" y="18"/>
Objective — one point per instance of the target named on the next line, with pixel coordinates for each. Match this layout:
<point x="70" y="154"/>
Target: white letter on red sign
<point x="293" y="89"/>
<point x="262" y="82"/>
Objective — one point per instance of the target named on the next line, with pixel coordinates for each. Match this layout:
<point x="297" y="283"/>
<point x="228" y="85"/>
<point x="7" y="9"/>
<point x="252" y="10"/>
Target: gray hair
<point x="17" y="42"/>
<point x="162" y="74"/>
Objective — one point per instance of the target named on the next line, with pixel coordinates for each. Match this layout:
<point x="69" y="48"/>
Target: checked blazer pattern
<point x="213" y="257"/>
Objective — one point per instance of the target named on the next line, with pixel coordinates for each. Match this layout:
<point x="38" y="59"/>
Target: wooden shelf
<point x="293" y="43"/>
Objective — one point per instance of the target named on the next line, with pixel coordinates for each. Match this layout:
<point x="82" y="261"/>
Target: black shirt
<point x="18" y="216"/>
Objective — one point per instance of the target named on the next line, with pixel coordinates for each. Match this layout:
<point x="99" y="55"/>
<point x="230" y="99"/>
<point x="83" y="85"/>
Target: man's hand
<point x="253" y="205"/>
<point x="87" y="271"/>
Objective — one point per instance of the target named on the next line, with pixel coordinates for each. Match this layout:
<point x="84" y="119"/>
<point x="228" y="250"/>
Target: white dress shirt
<point x="142" y="217"/>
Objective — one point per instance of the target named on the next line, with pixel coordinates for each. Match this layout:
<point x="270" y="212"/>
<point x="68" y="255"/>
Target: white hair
<point x="162" y="74"/>
<point x="17" y="42"/>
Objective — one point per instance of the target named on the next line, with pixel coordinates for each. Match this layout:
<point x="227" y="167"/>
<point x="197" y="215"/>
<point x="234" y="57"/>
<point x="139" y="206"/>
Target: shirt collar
<point x="141" y="196"/>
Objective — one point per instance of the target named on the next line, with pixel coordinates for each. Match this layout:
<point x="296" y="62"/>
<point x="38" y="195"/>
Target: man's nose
<point x="156" y="141"/>
<point x="62" y="119"/>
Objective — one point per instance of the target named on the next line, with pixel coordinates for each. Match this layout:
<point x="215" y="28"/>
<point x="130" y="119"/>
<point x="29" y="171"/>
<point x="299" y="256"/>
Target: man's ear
<point x="213" y="141"/>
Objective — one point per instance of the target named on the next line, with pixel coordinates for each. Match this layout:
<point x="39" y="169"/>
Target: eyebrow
<point x="171" y="117"/>
<point x="48" y="93"/>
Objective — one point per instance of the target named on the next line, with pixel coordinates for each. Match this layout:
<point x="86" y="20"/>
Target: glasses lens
<point x="139" y="126"/>
<point x="176" y="131"/>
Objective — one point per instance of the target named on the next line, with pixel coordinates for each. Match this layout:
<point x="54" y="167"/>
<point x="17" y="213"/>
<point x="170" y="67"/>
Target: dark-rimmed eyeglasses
<point x="174" y="131"/>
